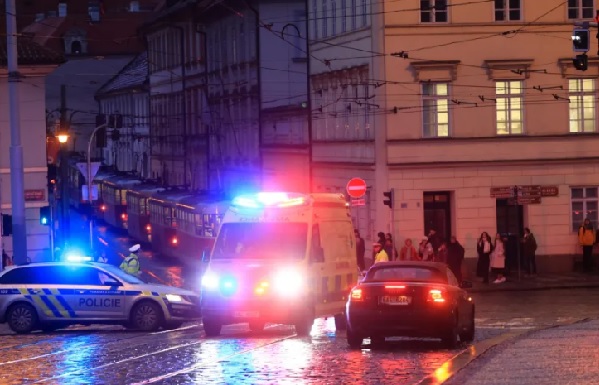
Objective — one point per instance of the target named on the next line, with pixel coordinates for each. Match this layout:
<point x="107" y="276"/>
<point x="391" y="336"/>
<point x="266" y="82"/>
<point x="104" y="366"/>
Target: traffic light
<point x="45" y="215"/>
<point x="581" y="62"/>
<point x="6" y="225"/>
<point x="389" y="195"/>
<point x="581" y="40"/>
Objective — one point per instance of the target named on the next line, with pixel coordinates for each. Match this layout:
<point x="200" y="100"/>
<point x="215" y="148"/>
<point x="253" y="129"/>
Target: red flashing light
<point x="103" y="208"/>
<point x="124" y="216"/>
<point x="174" y="241"/>
<point x="148" y="228"/>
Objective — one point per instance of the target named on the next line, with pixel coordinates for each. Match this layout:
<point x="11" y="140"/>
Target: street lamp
<point x="89" y="185"/>
<point x="63" y="137"/>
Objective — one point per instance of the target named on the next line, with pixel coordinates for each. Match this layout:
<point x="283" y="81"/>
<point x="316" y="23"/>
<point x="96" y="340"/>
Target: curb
<point x="538" y="288"/>
<point x="460" y="361"/>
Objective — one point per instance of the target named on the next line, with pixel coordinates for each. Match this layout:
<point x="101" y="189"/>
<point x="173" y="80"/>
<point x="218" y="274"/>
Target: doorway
<point x="510" y="224"/>
<point x="437" y="213"/>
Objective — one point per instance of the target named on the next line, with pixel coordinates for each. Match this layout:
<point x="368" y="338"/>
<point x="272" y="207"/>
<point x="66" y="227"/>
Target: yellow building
<point x="471" y="98"/>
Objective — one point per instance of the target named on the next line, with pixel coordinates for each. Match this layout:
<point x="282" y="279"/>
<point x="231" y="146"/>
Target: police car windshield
<point x="115" y="271"/>
<point x="261" y="241"/>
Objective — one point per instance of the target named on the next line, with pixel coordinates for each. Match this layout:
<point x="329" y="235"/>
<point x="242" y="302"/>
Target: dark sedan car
<point x="410" y="299"/>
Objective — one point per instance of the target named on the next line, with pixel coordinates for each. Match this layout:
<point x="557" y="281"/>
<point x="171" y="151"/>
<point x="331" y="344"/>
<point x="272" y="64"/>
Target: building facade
<point x="35" y="63"/>
<point x="488" y="126"/>
<point x="228" y="100"/>
<point x="127" y="95"/>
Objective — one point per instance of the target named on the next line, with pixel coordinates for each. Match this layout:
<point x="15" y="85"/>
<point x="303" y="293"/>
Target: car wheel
<point x="303" y="326"/>
<point x="354" y="340"/>
<point x="257" y="326"/>
<point x="450" y="338"/>
<point x="21" y="318"/>
<point x="340" y="321"/>
<point x="146" y="316"/>
<point x="211" y="327"/>
<point x="468" y="335"/>
<point x="173" y="325"/>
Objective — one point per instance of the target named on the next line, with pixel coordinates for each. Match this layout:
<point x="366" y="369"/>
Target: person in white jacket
<point x="498" y="259"/>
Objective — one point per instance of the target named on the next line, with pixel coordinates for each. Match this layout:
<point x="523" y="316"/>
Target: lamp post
<point x="63" y="138"/>
<point x="89" y="186"/>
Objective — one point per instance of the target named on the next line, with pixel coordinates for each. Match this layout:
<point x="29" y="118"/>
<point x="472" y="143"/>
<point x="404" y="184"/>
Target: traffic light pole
<point x="89" y="186"/>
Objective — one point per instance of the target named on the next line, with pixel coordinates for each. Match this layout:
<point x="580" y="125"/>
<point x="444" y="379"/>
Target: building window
<point x="314" y="7"/>
<point x="507" y="10"/>
<point x="435" y="110"/>
<point x="333" y="17"/>
<point x="582" y="105"/>
<point x="353" y="15"/>
<point x="364" y="13"/>
<point x="580" y="9"/>
<point x="433" y="11"/>
<point x="343" y="16"/>
<point x="509" y="107"/>
<point x="325" y="19"/>
<point x="584" y="205"/>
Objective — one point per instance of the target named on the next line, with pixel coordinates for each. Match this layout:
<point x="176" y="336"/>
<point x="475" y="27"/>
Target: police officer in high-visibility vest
<point x="131" y="264"/>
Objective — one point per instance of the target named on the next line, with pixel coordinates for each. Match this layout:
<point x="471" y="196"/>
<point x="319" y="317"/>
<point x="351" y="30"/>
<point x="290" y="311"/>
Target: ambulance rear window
<point x="261" y="241"/>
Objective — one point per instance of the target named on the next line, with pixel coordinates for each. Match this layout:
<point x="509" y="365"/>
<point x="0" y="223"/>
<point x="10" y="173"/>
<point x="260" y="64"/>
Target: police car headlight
<point x="288" y="282"/>
<point x="174" y="298"/>
<point x="210" y="281"/>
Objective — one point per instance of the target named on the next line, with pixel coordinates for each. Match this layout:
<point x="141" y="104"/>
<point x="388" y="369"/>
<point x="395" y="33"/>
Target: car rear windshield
<point x="261" y="241"/>
<point x="406" y="274"/>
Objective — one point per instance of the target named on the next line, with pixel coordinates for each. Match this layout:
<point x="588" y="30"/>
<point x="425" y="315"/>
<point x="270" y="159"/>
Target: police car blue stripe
<point x="65" y="304"/>
<point x="66" y="291"/>
<point x="31" y="291"/>
<point x="114" y="287"/>
<point x="47" y="291"/>
<point x="155" y="294"/>
<point x="133" y="292"/>
<point x="9" y="291"/>
<point x="51" y="306"/>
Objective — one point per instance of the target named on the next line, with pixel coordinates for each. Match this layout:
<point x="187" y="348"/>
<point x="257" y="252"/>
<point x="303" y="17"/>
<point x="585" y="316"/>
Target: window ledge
<point x="516" y="69"/>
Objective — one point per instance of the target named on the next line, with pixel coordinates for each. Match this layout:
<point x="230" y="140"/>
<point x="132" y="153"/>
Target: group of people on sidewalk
<point x="492" y="256"/>
<point x="431" y="248"/>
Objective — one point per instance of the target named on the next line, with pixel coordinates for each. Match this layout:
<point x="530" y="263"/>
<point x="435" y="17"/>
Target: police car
<point x="52" y="295"/>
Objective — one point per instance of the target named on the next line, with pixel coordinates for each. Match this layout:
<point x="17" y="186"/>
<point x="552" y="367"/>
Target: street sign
<point x="529" y="191"/>
<point x="528" y="200"/>
<point x="549" y="191"/>
<point x="358" y="202"/>
<point x="84" y="193"/>
<point x="82" y="166"/>
<point x="35" y="195"/>
<point x="356" y="188"/>
<point x="502" y="192"/>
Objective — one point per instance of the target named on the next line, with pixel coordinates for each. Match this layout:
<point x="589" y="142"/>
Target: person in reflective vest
<point x="131" y="264"/>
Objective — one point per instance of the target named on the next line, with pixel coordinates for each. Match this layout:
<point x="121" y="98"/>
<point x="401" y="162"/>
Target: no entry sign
<point x="356" y="188"/>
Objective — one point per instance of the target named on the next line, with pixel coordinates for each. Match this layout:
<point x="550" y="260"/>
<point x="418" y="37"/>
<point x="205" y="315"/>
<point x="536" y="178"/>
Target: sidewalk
<point x="541" y="282"/>
<point x="559" y="355"/>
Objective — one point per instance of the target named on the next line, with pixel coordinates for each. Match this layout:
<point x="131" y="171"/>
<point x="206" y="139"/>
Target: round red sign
<point x="356" y="187"/>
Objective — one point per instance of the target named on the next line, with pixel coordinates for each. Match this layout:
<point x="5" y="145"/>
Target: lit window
<point x="509" y="107"/>
<point x="433" y="11"/>
<point x="581" y="9"/>
<point x="507" y="10"/>
<point x="435" y="110"/>
<point x="582" y="105"/>
<point x="584" y="205"/>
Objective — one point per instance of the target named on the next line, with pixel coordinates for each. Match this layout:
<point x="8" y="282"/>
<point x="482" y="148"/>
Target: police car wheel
<point x="21" y="318"/>
<point x="146" y="316"/>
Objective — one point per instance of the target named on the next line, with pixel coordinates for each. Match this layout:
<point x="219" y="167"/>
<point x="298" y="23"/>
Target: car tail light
<point x="394" y="287"/>
<point x="357" y="295"/>
<point x="436" y="295"/>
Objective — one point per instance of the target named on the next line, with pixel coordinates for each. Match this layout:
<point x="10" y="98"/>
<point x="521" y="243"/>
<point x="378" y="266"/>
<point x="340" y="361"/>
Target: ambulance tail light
<point x="357" y="295"/>
<point x="436" y="296"/>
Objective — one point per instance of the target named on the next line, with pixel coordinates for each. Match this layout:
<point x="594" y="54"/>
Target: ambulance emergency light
<point x="270" y="199"/>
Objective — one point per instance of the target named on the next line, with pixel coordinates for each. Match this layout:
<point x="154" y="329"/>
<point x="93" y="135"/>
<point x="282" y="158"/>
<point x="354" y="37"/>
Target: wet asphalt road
<point x="111" y="355"/>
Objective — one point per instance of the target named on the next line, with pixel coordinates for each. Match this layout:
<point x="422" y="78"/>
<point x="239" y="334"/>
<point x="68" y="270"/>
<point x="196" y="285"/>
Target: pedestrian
<point x="381" y="239"/>
<point x="360" y="250"/>
<point x="529" y="250"/>
<point x="498" y="259"/>
<point x="434" y="239"/>
<point x="408" y="252"/>
<point x="455" y="257"/>
<point x="426" y="250"/>
<point x="390" y="248"/>
<point x="441" y="255"/>
<point x="379" y="253"/>
<point x="6" y="260"/>
<point x="586" y="238"/>
<point x="131" y="264"/>
<point x="484" y="247"/>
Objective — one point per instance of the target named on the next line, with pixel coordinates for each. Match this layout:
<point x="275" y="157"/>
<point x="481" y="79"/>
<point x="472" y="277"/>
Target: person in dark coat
<point x="484" y="247"/>
<point x="529" y="250"/>
<point x="455" y="257"/>
<point x="360" y="250"/>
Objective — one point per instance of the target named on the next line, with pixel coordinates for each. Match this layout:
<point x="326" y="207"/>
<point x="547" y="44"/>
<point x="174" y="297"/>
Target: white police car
<point x="52" y="295"/>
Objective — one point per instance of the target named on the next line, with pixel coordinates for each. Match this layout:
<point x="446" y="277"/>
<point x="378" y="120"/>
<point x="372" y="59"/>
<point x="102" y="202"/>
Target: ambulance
<point x="280" y="257"/>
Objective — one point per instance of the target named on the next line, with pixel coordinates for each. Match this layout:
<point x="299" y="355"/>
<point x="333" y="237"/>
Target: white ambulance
<point x="283" y="258"/>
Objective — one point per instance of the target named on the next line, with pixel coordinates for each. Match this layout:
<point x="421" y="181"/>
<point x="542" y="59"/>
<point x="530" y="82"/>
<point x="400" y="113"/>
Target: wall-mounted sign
<point x="502" y="192"/>
<point x="35" y="195"/>
<point x="549" y="191"/>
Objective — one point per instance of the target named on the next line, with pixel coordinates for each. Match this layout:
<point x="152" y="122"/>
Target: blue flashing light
<point x="269" y="199"/>
<point x="228" y="286"/>
<point x="245" y="202"/>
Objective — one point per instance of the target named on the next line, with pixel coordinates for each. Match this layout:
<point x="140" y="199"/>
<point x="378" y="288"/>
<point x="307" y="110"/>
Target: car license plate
<point x="246" y="314"/>
<point x="396" y="300"/>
